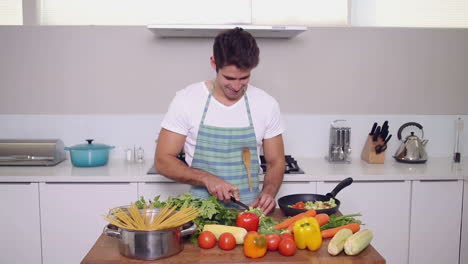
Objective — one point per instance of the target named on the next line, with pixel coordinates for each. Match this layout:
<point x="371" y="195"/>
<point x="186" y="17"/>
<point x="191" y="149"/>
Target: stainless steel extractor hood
<point x="213" y="30"/>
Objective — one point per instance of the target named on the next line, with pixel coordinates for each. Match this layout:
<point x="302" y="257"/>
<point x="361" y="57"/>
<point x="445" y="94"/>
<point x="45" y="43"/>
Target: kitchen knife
<point x="373" y="129"/>
<point x="376" y="134"/>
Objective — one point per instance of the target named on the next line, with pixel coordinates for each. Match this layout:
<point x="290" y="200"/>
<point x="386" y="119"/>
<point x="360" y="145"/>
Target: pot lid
<point x="91" y="146"/>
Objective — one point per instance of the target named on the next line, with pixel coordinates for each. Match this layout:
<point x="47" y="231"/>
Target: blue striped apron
<point x="218" y="151"/>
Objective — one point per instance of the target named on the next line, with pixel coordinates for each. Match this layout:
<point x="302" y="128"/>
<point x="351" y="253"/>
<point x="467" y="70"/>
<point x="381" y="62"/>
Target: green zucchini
<point x="337" y="242"/>
<point x="358" y="242"/>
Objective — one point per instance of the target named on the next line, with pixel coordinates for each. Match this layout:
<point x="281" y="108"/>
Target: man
<point x="213" y="121"/>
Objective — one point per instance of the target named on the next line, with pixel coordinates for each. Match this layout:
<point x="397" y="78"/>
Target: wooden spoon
<point x="247" y="164"/>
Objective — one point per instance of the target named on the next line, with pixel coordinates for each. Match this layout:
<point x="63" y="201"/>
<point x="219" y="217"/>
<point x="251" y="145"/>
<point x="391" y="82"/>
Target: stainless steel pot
<point x="149" y="245"/>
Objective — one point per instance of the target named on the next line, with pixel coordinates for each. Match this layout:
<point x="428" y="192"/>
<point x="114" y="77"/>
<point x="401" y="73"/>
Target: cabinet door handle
<point x="440" y="180"/>
<point x="370" y="181"/>
<point x="16" y="183"/>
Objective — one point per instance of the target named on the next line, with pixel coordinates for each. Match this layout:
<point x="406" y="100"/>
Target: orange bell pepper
<point x="255" y="245"/>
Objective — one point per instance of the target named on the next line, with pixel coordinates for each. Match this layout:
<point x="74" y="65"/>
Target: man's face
<point x="232" y="81"/>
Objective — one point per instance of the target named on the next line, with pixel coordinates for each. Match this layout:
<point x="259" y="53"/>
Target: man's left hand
<point x="265" y="202"/>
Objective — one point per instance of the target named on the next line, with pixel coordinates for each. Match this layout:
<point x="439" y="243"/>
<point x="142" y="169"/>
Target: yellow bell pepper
<point x="307" y="234"/>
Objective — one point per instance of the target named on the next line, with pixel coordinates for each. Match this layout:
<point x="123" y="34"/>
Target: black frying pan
<point x="284" y="201"/>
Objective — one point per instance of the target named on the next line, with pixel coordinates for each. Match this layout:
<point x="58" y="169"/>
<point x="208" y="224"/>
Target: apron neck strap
<point x="209" y="99"/>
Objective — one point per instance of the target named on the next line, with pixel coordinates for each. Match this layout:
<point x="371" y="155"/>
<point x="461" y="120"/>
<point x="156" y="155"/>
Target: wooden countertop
<point x="106" y="251"/>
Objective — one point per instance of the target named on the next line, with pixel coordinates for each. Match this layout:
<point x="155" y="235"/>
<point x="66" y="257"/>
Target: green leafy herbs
<point x="266" y="223"/>
<point x="336" y="221"/>
<point x="211" y="210"/>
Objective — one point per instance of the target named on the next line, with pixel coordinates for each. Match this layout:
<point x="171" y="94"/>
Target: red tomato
<point x="273" y="241"/>
<point x="287" y="247"/>
<point x="248" y="220"/>
<point x="206" y="240"/>
<point x="299" y="205"/>
<point x="287" y="236"/>
<point x="227" y="241"/>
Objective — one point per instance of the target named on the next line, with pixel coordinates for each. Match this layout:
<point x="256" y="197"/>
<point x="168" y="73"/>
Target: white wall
<point x="127" y="70"/>
<point x="306" y="135"/>
<point x="114" y="83"/>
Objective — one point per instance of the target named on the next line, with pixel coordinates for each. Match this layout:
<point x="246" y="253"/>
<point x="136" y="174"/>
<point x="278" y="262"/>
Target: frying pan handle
<point x="340" y="186"/>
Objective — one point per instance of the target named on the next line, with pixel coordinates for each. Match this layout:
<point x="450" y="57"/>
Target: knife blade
<point x="239" y="203"/>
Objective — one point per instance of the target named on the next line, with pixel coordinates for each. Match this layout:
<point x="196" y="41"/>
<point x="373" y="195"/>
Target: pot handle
<point x="189" y="230"/>
<point x="110" y="230"/>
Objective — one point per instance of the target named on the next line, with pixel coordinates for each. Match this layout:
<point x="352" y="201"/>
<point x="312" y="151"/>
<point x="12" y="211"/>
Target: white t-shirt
<point x="186" y="110"/>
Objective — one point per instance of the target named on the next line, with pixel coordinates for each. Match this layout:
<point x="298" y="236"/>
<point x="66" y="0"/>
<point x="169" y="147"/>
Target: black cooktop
<point x="291" y="165"/>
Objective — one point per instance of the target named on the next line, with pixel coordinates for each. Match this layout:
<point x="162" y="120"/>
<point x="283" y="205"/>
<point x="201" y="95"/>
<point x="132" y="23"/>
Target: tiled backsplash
<point x="306" y="135"/>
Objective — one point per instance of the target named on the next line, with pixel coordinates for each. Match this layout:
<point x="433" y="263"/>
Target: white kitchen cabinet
<point x="151" y="189"/>
<point x="288" y="188"/>
<point x="435" y="222"/>
<point x="385" y="209"/>
<point x="20" y="238"/>
<point x="296" y="187"/>
<point x="71" y="216"/>
<point x="464" y="231"/>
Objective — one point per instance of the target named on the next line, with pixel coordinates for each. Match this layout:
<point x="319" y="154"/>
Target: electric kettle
<point x="412" y="148"/>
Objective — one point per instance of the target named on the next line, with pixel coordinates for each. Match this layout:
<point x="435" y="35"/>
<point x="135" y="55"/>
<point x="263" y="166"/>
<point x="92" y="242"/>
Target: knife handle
<point x="376" y="134"/>
<point x="373" y="129"/>
<point x="388" y="139"/>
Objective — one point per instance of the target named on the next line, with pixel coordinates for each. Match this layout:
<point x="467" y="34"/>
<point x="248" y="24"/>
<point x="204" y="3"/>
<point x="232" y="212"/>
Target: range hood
<point x="213" y="30"/>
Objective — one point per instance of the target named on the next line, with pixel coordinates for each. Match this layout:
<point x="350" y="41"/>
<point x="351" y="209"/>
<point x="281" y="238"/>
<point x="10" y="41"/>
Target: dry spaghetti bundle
<point x="146" y="220"/>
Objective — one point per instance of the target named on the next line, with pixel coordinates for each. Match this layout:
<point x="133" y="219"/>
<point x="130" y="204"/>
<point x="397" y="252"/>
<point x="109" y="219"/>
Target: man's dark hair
<point x="236" y="47"/>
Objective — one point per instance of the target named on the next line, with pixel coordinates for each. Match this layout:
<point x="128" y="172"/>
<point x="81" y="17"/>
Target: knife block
<point x="368" y="153"/>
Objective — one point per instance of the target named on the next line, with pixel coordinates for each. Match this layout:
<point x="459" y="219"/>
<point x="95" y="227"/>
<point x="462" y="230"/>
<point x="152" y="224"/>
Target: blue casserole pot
<point x="89" y="154"/>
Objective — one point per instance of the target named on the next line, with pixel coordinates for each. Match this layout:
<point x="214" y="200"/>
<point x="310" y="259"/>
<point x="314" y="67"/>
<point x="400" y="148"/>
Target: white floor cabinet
<point x="435" y="222"/>
<point x="71" y="215"/>
<point x="385" y="209"/>
<point x="20" y="232"/>
<point x="296" y="187"/>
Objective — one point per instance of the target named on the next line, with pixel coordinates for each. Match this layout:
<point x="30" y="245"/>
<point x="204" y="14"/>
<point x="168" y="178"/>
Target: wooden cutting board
<point x="106" y="251"/>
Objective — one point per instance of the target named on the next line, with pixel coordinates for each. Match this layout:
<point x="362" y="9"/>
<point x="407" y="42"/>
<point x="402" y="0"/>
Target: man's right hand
<point x="221" y="189"/>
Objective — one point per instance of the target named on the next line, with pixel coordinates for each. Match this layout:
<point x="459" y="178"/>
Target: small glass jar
<point x="128" y="154"/>
<point x="140" y="155"/>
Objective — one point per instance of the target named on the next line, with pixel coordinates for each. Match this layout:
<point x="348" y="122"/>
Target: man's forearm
<point x="273" y="178"/>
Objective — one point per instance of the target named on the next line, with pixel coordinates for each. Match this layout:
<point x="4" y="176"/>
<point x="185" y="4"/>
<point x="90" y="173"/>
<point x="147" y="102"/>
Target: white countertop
<point x="315" y="170"/>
